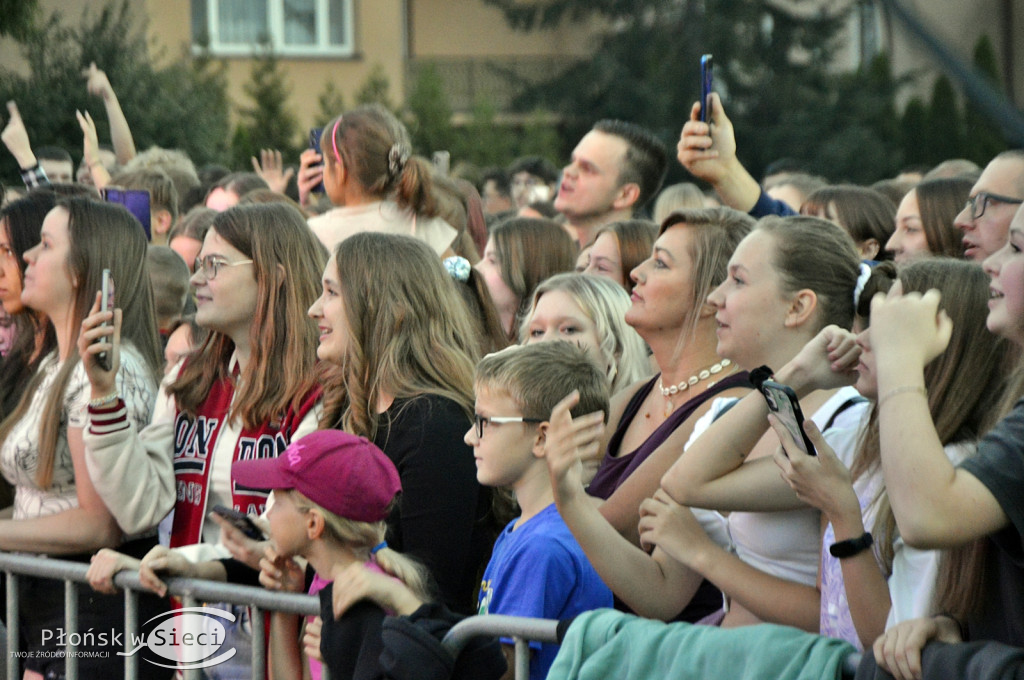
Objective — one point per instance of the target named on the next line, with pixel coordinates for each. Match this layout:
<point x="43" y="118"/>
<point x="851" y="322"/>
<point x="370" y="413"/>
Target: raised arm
<point x="652" y="585"/>
<point x="15" y="138"/>
<point x="936" y="505"/>
<point x="718" y="470"/>
<point x="120" y="134"/>
<point x="133" y="472"/>
<point x="708" y="151"/>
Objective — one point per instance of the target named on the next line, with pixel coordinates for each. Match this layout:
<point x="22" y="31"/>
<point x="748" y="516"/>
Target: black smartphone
<point x="783" y="403"/>
<point x="706" y="82"/>
<point x="135" y="200"/>
<point x="240" y="521"/>
<point x="314" y="144"/>
<point x="106" y="305"/>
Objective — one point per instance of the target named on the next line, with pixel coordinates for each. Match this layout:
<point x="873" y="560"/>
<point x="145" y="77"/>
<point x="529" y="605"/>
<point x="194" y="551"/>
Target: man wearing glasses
<point x="995" y="197"/>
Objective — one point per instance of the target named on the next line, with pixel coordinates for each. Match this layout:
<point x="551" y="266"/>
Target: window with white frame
<point x="289" y="27"/>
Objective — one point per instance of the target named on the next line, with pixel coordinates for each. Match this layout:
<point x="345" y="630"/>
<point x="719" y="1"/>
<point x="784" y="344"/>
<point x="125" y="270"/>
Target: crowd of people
<point x="432" y="398"/>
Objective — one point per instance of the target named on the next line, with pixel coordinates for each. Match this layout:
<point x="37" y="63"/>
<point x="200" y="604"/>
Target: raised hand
<point x="95" y="338"/>
<point x="96" y="82"/>
<point x="568" y="442"/>
<point x="828" y="361"/>
<point x="908" y="328"/>
<point x="271" y="169"/>
<point x="15" y="138"/>
<point x="821" y="481"/>
<point x="311" y="173"/>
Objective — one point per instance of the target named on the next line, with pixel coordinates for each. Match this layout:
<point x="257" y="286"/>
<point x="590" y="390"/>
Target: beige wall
<point x="470" y="28"/>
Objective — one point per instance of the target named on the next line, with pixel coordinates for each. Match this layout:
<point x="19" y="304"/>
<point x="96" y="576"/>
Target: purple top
<point x="615" y="470"/>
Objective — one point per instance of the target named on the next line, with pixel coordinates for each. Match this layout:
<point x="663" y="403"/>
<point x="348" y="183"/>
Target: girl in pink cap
<point x="332" y="492"/>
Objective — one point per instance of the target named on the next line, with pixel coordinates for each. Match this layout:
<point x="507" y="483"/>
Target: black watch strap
<point x="851" y="546"/>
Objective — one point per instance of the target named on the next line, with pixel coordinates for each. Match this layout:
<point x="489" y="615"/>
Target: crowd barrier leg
<point x="13" y="626"/>
<point x="259" y="645"/>
<point x="131" y="629"/>
<point x="71" y="628"/>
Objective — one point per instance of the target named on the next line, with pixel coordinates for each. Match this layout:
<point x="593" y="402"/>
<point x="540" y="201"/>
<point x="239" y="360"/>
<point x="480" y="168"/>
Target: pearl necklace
<point x="672" y="390"/>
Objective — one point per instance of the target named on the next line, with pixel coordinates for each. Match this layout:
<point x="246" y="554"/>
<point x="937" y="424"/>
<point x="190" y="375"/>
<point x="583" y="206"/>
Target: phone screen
<point x="314" y="144"/>
<point x="706" y="82"/>
<point x="240" y="521"/>
<point x="135" y="200"/>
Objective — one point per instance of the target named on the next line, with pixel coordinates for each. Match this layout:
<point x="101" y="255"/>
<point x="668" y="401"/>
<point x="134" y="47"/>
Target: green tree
<point x="914" y="132"/>
<point x="183" y="105"/>
<point x="944" y="123"/>
<point x="330" y="102"/>
<point x="269" y="123"/>
<point x="18" y="18"/>
<point x="983" y="139"/>
<point x="374" y="89"/>
<point x="773" y="68"/>
<point x="540" y="137"/>
<point x="482" y="142"/>
<point x="428" y="113"/>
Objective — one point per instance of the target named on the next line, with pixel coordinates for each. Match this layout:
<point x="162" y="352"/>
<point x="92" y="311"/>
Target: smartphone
<point x="135" y="200"/>
<point x="706" y="81"/>
<point x="783" y="403"/>
<point x="240" y="521"/>
<point x="106" y="305"/>
<point x="314" y="144"/>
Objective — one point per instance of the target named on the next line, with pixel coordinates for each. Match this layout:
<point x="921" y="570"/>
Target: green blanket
<point x="609" y="644"/>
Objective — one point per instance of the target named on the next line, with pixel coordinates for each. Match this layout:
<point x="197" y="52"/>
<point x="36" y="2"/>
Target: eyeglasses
<point x="210" y="264"/>
<point x="976" y="204"/>
<point x="479" y="420"/>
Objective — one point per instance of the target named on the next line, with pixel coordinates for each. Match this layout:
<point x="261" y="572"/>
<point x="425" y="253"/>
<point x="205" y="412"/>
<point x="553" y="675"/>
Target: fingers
<point x="12" y="111"/>
<point x="311" y="639"/>
<point x="150" y="581"/>
<point x="785" y="438"/>
<point x="566" y="404"/>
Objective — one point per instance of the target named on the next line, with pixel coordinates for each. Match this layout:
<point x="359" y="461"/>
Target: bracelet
<point x="915" y="389"/>
<point x="104" y="401"/>
<point x="851" y="546"/>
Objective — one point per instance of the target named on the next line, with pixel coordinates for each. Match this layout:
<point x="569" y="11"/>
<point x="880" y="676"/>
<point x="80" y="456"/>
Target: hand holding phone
<point x="783" y="403"/>
<point x="314" y="144"/>
<point x="106" y="305"/>
<point x="706" y="83"/>
<point x="240" y="521"/>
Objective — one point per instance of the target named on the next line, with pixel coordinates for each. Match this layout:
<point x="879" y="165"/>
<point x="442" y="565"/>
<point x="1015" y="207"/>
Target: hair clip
<point x="458" y="268"/>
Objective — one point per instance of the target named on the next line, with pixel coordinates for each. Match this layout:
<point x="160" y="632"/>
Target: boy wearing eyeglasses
<point x="537" y="568"/>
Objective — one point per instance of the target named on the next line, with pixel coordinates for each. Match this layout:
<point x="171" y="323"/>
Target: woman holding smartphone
<point x="246" y="391"/>
<point x="786" y="280"/>
<point x="58" y="509"/>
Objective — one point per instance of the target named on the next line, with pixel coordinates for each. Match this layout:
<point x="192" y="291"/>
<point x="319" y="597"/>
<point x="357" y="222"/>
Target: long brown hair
<point x="409" y="334"/>
<point x="635" y="239"/>
<point x="964" y="382"/>
<point x="287" y="263"/>
<point x="940" y="201"/>
<point x="101" y="236"/>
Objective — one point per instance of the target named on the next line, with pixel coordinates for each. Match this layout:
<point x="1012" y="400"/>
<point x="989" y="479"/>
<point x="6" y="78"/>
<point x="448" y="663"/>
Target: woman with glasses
<point x="400" y="349"/>
<point x="58" y="507"/>
<point x="244" y="393"/>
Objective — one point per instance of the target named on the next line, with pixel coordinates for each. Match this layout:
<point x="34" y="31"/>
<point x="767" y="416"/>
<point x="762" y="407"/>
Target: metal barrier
<point x="191" y="591"/>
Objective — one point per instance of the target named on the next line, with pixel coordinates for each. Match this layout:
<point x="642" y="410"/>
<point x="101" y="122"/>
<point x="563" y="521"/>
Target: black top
<point x="444" y="516"/>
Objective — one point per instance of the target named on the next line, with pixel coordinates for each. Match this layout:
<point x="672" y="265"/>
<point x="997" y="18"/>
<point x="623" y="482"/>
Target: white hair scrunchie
<point x="862" y="279"/>
<point x="457" y="267"/>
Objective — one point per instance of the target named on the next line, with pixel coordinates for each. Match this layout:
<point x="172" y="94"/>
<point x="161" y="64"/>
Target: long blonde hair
<point x="361" y="538"/>
<point x="101" y="236"/>
<point x="409" y="333"/>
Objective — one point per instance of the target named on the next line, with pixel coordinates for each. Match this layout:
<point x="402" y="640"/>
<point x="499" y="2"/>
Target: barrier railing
<point x="191" y="592"/>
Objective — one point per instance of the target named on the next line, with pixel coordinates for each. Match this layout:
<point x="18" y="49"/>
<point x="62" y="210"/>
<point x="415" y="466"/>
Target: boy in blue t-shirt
<point x="536" y="569"/>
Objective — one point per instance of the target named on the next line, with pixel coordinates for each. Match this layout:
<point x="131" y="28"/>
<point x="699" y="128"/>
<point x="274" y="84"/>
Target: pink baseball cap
<point x="338" y="471"/>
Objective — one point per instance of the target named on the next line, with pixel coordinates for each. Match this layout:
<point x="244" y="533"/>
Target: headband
<point x="334" y="140"/>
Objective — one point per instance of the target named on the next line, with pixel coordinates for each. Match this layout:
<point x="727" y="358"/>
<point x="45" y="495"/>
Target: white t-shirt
<point x="19" y="454"/>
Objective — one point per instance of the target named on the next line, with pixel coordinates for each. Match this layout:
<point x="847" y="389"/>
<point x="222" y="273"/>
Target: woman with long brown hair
<point x="400" y="350"/>
<point x="59" y="508"/>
